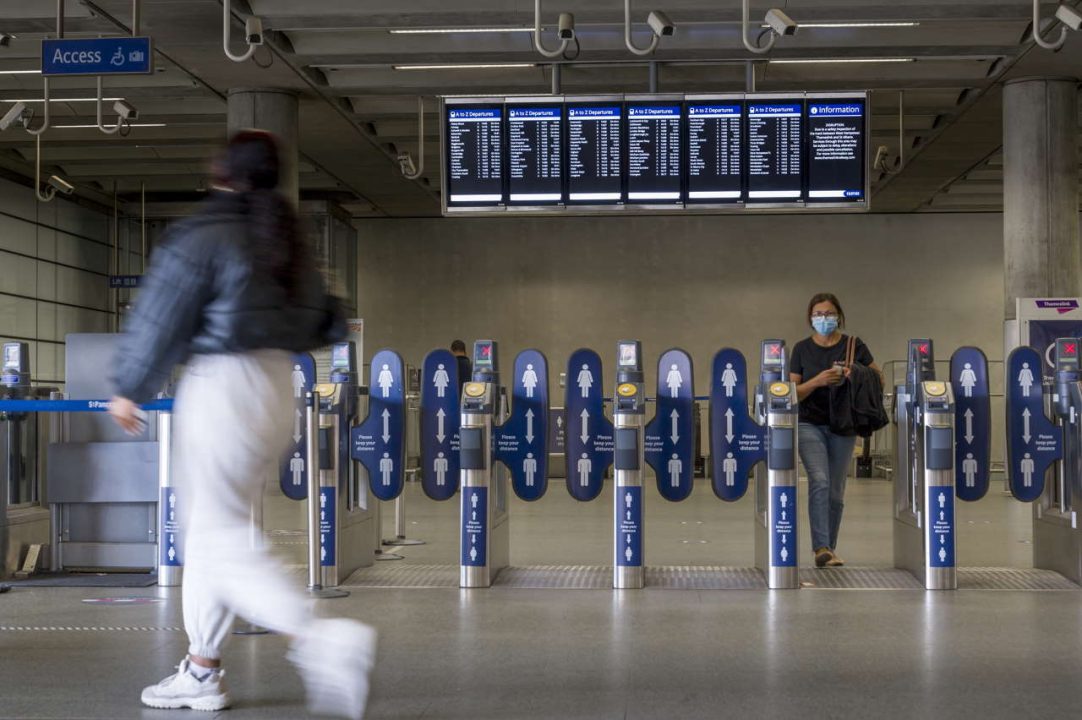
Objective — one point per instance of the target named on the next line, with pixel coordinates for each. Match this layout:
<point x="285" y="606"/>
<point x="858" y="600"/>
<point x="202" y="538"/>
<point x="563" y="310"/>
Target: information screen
<point x="775" y="150"/>
<point x="474" y="155"/>
<point x="653" y="153"/>
<point x="836" y="149"/>
<point x="715" y="148"/>
<point x="535" y="154"/>
<point x="594" y="159"/>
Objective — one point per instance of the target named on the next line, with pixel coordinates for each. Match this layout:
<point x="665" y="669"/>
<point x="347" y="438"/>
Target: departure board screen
<point x="474" y="150"/>
<point x="836" y="149"/>
<point x="535" y="154"/>
<point x="715" y="149"/>
<point x="594" y="155"/>
<point x="775" y="150"/>
<point x="653" y="153"/>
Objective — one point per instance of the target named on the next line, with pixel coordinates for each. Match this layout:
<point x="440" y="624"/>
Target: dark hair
<point x="458" y="346"/>
<point x="250" y="166"/>
<point x="830" y="298"/>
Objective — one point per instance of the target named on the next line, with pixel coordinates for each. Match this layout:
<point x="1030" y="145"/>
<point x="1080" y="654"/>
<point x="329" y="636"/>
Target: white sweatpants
<point x="232" y="422"/>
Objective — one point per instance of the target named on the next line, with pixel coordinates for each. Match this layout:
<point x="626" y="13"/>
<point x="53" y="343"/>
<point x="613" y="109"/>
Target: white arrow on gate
<point x="386" y="425"/>
<point x="729" y="425"/>
<point x="585" y="425"/>
<point x="675" y="421"/>
<point x="440" y="435"/>
<point x="529" y="426"/>
<point x="969" y="426"/>
<point x="297" y="426"/>
<point x="1025" y="425"/>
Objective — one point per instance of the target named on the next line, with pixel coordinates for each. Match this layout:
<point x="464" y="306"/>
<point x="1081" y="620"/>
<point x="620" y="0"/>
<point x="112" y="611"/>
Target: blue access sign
<point x="440" y="421"/>
<point x="628" y="546"/>
<point x="589" y="433"/>
<point x="940" y="543"/>
<point x="669" y="436"/>
<point x="1033" y="441"/>
<point x="169" y="541"/>
<point x="737" y="442"/>
<point x="474" y="526"/>
<point x="292" y="477"/>
<point x="327" y="526"/>
<point x="972" y="423"/>
<point x="522" y="441"/>
<point x="783" y="525"/>
<point x="120" y="282"/>
<point x="97" y="56"/>
<point x="378" y="443"/>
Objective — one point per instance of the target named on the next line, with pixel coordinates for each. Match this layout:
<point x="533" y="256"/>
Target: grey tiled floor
<point x="518" y="653"/>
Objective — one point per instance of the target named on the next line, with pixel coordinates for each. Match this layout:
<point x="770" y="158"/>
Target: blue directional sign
<point x="783" y="504"/>
<point x="670" y="435"/>
<point x="972" y="424"/>
<point x="628" y="546"/>
<point x="292" y="478"/>
<point x="1033" y="441"/>
<point x="440" y="420"/>
<point x="589" y="433"/>
<point x="737" y="442"/>
<point x="169" y="541"/>
<point x="97" y="56"/>
<point x="377" y="443"/>
<point x="327" y="526"/>
<point x="474" y="526"/>
<point x="522" y="441"/>
<point x="940" y="543"/>
<point x="118" y="282"/>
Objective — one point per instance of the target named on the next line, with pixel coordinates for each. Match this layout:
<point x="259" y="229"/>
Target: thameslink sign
<point x="97" y="56"/>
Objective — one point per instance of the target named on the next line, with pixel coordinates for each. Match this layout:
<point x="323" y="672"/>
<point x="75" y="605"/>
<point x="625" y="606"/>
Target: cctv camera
<point x="5" y="39"/>
<point x="661" y="24"/>
<point x="779" y="22"/>
<point x="125" y="110"/>
<point x="61" y="184"/>
<point x="566" y="26"/>
<point x="253" y="31"/>
<point x="881" y="158"/>
<point x="406" y="164"/>
<point x="19" y="113"/>
<point x="1069" y="17"/>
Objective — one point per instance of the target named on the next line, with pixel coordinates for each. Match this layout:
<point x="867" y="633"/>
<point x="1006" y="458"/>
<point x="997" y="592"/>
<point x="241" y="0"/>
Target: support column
<point x="1040" y="190"/>
<point x="273" y="110"/>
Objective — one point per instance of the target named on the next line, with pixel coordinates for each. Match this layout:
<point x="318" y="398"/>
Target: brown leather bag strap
<point x="850" y="351"/>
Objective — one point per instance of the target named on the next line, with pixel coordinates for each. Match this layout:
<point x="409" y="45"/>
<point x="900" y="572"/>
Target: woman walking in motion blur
<point x="232" y="293"/>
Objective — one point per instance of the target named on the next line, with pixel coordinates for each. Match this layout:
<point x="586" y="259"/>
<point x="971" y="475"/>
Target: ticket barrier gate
<point x="1035" y="445"/>
<point x="924" y="483"/>
<point x="629" y="467"/>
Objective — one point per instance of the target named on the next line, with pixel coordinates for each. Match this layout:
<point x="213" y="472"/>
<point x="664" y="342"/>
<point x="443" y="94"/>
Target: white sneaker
<point x="334" y="659"/>
<point x="184" y="690"/>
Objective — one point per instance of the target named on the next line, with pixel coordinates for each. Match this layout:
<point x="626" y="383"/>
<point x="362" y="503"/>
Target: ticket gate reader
<point x="776" y="542"/>
<point x="629" y="423"/>
<point x="924" y="481"/>
<point x="348" y="516"/>
<point x="1057" y="538"/>
<point x="485" y="522"/>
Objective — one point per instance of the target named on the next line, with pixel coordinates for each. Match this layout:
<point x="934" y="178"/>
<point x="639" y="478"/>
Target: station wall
<point x="698" y="282"/>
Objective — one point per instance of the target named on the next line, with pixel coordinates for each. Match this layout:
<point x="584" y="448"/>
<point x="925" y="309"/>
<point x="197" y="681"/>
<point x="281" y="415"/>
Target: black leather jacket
<point x="203" y="294"/>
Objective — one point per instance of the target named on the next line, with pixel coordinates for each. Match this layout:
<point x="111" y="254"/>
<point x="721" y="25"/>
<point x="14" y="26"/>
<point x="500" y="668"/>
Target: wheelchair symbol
<point x="118" y="58"/>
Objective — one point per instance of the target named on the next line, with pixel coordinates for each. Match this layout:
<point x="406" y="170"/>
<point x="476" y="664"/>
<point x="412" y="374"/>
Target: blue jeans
<point x="826" y="458"/>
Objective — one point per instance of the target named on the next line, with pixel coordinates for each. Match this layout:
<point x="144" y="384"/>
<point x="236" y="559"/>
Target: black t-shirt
<point x="465" y="371"/>
<point x="808" y="360"/>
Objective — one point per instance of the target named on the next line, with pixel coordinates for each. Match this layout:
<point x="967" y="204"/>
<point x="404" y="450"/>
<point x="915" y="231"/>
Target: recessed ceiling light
<point x="825" y="61"/>
<point x="477" y="66"/>
<point x="87" y="127"/>
<point x="20" y="72"/>
<point x="871" y="24"/>
<point x="450" y="31"/>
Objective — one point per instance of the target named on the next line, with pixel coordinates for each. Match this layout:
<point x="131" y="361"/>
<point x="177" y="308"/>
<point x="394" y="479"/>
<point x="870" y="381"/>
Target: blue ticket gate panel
<point x="485" y="522"/>
<point x="1035" y="447"/>
<point x="764" y="445"/>
<point x="924" y="479"/>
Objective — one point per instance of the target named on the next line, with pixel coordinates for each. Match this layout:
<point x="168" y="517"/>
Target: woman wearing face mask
<point x="817" y="363"/>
